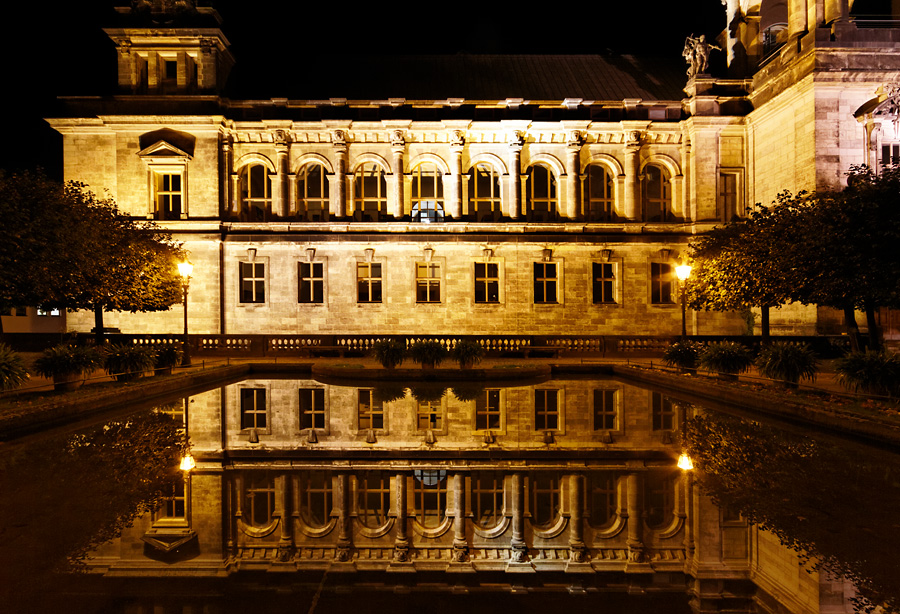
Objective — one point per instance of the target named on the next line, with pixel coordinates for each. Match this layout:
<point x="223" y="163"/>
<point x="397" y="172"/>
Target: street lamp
<point x="683" y="271"/>
<point x="185" y="269"/>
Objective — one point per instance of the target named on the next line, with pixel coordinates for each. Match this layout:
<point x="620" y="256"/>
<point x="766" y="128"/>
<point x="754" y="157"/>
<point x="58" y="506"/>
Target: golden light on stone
<point x="187" y="462"/>
<point x="185" y="269"/>
<point x="683" y="271"/>
<point x="684" y="462"/>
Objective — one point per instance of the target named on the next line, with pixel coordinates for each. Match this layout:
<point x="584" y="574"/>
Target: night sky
<point x="58" y="49"/>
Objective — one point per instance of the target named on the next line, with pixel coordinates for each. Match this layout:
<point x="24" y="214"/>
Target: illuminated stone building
<point x="529" y="195"/>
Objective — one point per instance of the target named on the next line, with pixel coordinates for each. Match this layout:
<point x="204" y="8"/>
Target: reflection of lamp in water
<point x="685" y="462"/>
<point x="187" y="462"/>
<point x="682" y="272"/>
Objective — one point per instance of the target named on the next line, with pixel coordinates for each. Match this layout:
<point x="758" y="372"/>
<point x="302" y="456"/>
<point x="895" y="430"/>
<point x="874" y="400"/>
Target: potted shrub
<point x="871" y="372"/>
<point x="66" y="365"/>
<point x="12" y="368"/>
<point x="726" y="359"/>
<point x="683" y="354"/>
<point x="167" y="357"/>
<point x="127" y="362"/>
<point x="787" y="362"/>
<point x="389" y="352"/>
<point x="428" y="353"/>
<point x="467" y="353"/>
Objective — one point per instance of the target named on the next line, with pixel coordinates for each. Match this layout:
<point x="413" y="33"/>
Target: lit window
<point x="41" y="312"/>
<point x="255" y="193"/>
<point x="546" y="409"/>
<point x="373" y="492"/>
<point x="312" y="408"/>
<point x="259" y="498"/>
<point x="540" y="201"/>
<point x="602" y="498"/>
<point x="312" y="282"/>
<point x="253" y="282"/>
<point x="174" y="504"/>
<point x="368" y="282"/>
<point x="253" y="408"/>
<point x="315" y="498"/>
<point x="545" y="282"/>
<point x="488" y="414"/>
<point x="370" y="193"/>
<point x="484" y="193"/>
<point x="544" y="498"/>
<point x="427" y="194"/>
<point x="663" y="413"/>
<point x="487" y="498"/>
<point x="604" y="282"/>
<point x="487" y="282"/>
<point x="370" y="413"/>
<point x="429" y="415"/>
<point x="312" y="194"/>
<point x="168" y="189"/>
<point x="428" y="282"/>
<point x="604" y="409"/>
<point x="429" y="496"/>
<point x="661" y="280"/>
<point x="599" y="205"/>
<point x="656" y="189"/>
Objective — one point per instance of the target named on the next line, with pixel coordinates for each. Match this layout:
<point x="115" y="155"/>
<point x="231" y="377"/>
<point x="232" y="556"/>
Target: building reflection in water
<point x="567" y="485"/>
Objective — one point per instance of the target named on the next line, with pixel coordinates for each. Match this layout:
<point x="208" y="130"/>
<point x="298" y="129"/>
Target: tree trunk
<point x="874" y="330"/>
<point x="852" y="328"/>
<point x="764" y="323"/>
<point x="98" y="325"/>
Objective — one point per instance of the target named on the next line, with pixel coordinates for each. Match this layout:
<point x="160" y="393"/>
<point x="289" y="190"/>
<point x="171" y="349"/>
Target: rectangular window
<point x="663" y="412"/>
<point x="890" y="154"/>
<point x="429" y="416"/>
<point x="47" y="312"/>
<point x="368" y="282"/>
<point x="16" y="311"/>
<point x="428" y="282"/>
<point x="168" y="196"/>
<point x="661" y="280"/>
<point x="546" y="410"/>
<point x="545" y="282"/>
<point x="371" y="414"/>
<point x="487" y="411"/>
<point x="312" y="408"/>
<point x="253" y="408"/>
<point x="253" y="282"/>
<point x="312" y="282"/>
<point x="604" y="282"/>
<point x="604" y="410"/>
<point x="487" y="282"/>
<point x="728" y="195"/>
<point x="173" y="504"/>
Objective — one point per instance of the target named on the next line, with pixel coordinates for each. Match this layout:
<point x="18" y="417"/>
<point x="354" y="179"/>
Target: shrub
<point x="683" y="354"/>
<point x="726" y="357"/>
<point x="871" y="372"/>
<point x="12" y="368"/>
<point x="787" y="362"/>
<point x="389" y="352"/>
<point x="428" y="392"/>
<point x="387" y="391"/>
<point x="429" y="354"/>
<point x="127" y="362"/>
<point x="468" y="391"/>
<point x="467" y="353"/>
<point x="66" y="360"/>
<point x="168" y="356"/>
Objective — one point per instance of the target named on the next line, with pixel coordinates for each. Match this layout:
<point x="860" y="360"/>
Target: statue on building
<point x="696" y="54"/>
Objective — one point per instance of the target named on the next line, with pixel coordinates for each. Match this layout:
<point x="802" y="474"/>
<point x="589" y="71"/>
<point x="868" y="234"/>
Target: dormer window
<point x="167" y="168"/>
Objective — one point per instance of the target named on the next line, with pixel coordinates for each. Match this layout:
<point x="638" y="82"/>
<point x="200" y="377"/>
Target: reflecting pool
<point x="559" y="493"/>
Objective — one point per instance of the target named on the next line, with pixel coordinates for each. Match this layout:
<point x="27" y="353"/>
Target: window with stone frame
<point x="427" y="193"/>
<point x="544" y="497"/>
<point x="370" y="411"/>
<point x="662" y="282"/>
<point x="368" y="282"/>
<point x="602" y="493"/>
<point x="312" y="408"/>
<point x="311" y="286"/>
<point x="546" y="282"/>
<point x="258" y="506"/>
<point x="252" y="282"/>
<point x="316" y="497"/>
<point x="659" y="498"/>
<point x="662" y="412"/>
<point x="484" y="193"/>
<point x="487" y="282"/>
<point x="429" y="415"/>
<point x="253" y="408"/>
<point x="255" y="193"/>
<point x="606" y="415"/>
<point x="488" y="412"/>
<point x="546" y="409"/>
<point x="429" y="496"/>
<point x="487" y="498"/>
<point x="169" y="194"/>
<point x="729" y="197"/>
<point x="370" y="202"/>
<point x="428" y="282"/>
<point x="373" y="498"/>
<point x="599" y="201"/>
<point x="540" y="195"/>
<point x="603" y="287"/>
<point x="312" y="193"/>
<point x="173" y="506"/>
<point x="656" y="191"/>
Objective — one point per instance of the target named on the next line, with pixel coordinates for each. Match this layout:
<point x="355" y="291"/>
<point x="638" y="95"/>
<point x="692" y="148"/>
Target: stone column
<point x="454" y="198"/>
<point x="460" y="543"/>
<point x="577" y="549"/>
<point x="282" y="504"/>
<point x="342" y="502"/>
<point x="235" y="194"/>
<point x="338" y="205"/>
<point x="632" y="183"/>
<point x="401" y="540"/>
<point x="516" y="141"/>
<point x="573" y="176"/>
<point x="225" y="170"/>
<point x="519" y="548"/>
<point x="635" y="505"/>
<point x="797" y="25"/>
<point x="398" y="148"/>
<point x="280" y="198"/>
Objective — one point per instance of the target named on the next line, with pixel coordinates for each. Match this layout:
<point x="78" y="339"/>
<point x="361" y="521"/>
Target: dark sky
<point x="59" y="48"/>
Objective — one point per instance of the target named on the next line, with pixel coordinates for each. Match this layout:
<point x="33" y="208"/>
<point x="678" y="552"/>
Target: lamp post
<point x="185" y="269"/>
<point x="683" y="271"/>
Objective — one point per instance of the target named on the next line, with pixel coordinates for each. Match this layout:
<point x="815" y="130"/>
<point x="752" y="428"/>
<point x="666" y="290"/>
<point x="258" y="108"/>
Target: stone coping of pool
<point x="362" y="372"/>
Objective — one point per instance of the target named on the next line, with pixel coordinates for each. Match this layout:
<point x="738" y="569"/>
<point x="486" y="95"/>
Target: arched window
<point x="312" y="194"/>
<point x="427" y="194"/>
<point x="373" y="492"/>
<point x="544" y="498"/>
<point x="599" y="205"/>
<point x="484" y="193"/>
<point x="487" y="498"/>
<point x="656" y="191"/>
<point x="259" y="498"/>
<point x="430" y="496"/>
<point x="255" y="193"/>
<point x="540" y="197"/>
<point x="370" y="193"/>
<point x="602" y="498"/>
<point x="659" y="498"/>
<point x="315" y="498"/>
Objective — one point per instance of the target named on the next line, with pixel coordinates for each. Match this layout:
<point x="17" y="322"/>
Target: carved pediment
<point x="166" y="151"/>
